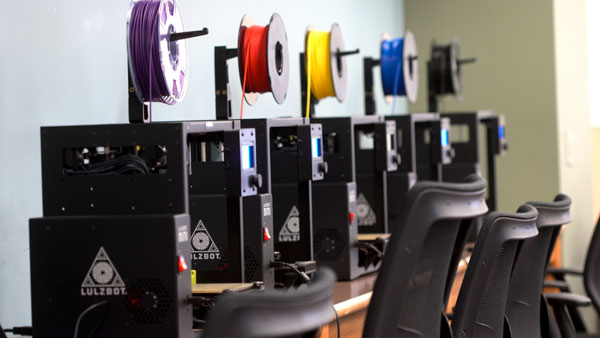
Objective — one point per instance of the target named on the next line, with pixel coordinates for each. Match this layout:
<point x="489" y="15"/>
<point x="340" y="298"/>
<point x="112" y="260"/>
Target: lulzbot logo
<point x="102" y="279"/>
<point x="364" y="213"/>
<point x="290" y="232"/>
<point x="203" y="246"/>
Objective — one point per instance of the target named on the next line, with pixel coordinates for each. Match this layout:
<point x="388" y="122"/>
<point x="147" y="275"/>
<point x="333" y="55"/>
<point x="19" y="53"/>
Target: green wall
<point x="514" y="75"/>
<point x="531" y="66"/>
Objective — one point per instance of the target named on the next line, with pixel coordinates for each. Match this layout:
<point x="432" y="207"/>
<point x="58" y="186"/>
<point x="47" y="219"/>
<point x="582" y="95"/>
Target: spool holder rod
<point x="493" y="150"/>
<point x="466" y="61"/>
<point x="433" y="100"/>
<point x="187" y="35"/>
<point x="411" y="61"/>
<point x="303" y="91"/>
<point x="222" y="98"/>
<point x="304" y="81"/>
<point x="368" y="65"/>
<point x="348" y="52"/>
<point x="138" y="111"/>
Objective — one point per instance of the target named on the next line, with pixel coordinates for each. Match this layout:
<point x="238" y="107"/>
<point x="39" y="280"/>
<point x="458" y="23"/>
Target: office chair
<point x="270" y="314"/>
<point x="479" y="311"/>
<point x="568" y="316"/>
<point x="525" y="288"/>
<point x="408" y="298"/>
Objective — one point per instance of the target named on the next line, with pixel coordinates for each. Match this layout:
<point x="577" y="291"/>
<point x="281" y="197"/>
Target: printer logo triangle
<point x="290" y="232"/>
<point x="102" y="278"/>
<point x="364" y="213"/>
<point x="201" y="240"/>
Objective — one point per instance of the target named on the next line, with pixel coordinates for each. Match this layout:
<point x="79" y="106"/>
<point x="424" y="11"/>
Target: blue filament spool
<point x="399" y="67"/>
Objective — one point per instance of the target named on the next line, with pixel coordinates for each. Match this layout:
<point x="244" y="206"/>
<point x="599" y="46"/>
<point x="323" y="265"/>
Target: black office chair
<point x="525" y="291"/>
<point x="408" y="296"/>
<point x="269" y="314"/>
<point x="479" y="311"/>
<point x="570" y="320"/>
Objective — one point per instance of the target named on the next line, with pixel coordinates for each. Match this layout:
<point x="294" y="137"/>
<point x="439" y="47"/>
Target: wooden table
<point x="352" y="299"/>
<point x="218" y="288"/>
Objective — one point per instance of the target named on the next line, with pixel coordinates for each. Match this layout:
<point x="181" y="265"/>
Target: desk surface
<point x="373" y="237"/>
<point x="352" y="299"/>
<point x="217" y="288"/>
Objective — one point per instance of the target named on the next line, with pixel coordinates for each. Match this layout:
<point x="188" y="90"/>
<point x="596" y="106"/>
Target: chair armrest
<point x="564" y="271"/>
<point x="568" y="299"/>
<point x="559" y="284"/>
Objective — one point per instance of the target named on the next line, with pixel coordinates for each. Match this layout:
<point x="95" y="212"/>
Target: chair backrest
<point x="591" y="272"/>
<point x="523" y="303"/>
<point x="462" y="240"/>
<point x="479" y="311"/>
<point x="408" y="296"/>
<point x="270" y="314"/>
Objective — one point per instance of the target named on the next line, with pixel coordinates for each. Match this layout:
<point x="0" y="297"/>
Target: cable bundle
<point x="399" y="69"/>
<point x="263" y="60"/>
<point x="124" y="164"/>
<point x="158" y="66"/>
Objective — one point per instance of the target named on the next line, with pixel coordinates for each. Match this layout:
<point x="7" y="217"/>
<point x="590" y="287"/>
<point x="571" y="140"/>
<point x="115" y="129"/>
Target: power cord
<point x="85" y="312"/>
<point x="17" y="331"/>
<point x="337" y="320"/>
<point x="301" y="274"/>
<point x="367" y="245"/>
<point x="201" y="301"/>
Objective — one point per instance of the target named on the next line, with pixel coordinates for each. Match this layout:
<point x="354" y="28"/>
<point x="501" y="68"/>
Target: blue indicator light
<point x="247" y="157"/>
<point x="444" y="137"/>
<point x="501" y="131"/>
<point x="316" y="147"/>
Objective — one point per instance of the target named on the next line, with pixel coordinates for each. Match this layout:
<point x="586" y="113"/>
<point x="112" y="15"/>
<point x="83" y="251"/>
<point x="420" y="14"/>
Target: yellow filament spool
<point x="325" y="70"/>
<point x="319" y="65"/>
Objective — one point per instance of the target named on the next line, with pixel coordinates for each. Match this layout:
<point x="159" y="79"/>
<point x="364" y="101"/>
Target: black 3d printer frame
<point x="296" y="175"/>
<point x="97" y="203"/>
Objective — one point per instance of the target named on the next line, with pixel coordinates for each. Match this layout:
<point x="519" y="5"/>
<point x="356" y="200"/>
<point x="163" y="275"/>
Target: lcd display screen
<point x="247" y="157"/>
<point x="316" y="147"/>
<point x="444" y="137"/>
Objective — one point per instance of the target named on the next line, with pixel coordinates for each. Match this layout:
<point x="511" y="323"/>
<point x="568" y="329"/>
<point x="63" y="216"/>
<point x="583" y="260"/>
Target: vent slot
<point x="250" y="265"/>
<point x="148" y="301"/>
<point x="328" y="245"/>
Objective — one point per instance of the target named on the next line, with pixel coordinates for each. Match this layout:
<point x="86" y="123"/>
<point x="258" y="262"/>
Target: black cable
<point x="337" y="320"/>
<point x="301" y="274"/>
<point x="17" y="331"/>
<point x="85" y="312"/>
<point x="367" y="245"/>
<point x="124" y="164"/>
<point x="93" y="332"/>
<point x="201" y="301"/>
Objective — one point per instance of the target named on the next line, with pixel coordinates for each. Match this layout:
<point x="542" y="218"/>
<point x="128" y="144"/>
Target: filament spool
<point x="445" y="66"/>
<point x="277" y="59"/>
<point x="399" y="67"/>
<point x="331" y="63"/>
<point x="158" y="66"/>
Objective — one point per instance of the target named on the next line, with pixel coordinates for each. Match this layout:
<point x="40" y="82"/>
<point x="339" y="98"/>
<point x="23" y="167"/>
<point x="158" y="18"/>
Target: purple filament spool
<point x="158" y="66"/>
